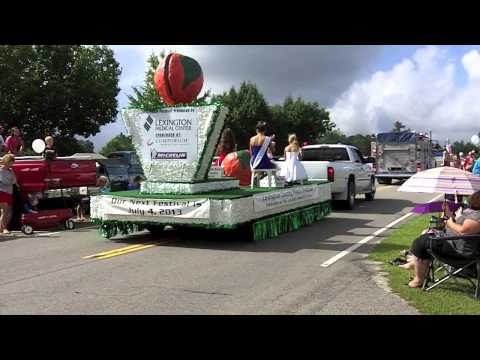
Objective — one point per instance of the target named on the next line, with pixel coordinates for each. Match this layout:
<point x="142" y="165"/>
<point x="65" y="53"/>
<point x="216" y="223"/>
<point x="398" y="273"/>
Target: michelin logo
<point x="161" y="155"/>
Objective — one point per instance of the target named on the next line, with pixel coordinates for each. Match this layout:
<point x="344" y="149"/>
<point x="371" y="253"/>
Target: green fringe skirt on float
<point x="293" y="220"/>
<point x="263" y="228"/>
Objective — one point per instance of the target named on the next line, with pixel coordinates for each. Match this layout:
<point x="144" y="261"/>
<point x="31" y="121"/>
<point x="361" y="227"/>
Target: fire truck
<point x="399" y="155"/>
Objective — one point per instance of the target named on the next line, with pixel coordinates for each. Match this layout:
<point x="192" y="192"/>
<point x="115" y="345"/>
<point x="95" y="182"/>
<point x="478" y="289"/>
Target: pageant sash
<point x="261" y="153"/>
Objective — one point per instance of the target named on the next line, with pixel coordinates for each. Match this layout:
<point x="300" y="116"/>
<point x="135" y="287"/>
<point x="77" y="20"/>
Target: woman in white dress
<point x="292" y="169"/>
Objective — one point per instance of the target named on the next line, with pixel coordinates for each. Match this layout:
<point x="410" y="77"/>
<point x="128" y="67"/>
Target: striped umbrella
<point x="445" y="179"/>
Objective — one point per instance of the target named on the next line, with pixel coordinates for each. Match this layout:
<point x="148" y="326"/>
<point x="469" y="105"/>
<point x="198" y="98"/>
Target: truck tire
<point x="27" y="229"/>
<point x="350" y="202"/>
<point x="69" y="224"/>
<point x="371" y="195"/>
<point x="156" y="230"/>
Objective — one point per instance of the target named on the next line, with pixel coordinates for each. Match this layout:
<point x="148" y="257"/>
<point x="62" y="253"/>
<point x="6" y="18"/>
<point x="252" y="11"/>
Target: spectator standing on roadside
<point x="7" y="180"/>
<point x="2" y="140"/>
<point x="469" y="160"/>
<point x="461" y="158"/>
<point x="446" y="159"/>
<point x="476" y="167"/>
<point x="456" y="161"/>
<point x="14" y="142"/>
<point x="83" y="204"/>
<point x="102" y="183"/>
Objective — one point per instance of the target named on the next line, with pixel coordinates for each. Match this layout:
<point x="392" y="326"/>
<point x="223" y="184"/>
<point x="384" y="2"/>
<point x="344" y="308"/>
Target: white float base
<point x="153" y="187"/>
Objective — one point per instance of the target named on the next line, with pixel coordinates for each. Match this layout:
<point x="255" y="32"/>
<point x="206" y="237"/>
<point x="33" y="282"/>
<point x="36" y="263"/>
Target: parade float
<point x="176" y="144"/>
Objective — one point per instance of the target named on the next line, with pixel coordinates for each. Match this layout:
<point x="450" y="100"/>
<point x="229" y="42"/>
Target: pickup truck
<point x="134" y="168"/>
<point x="35" y="174"/>
<point x="344" y="166"/>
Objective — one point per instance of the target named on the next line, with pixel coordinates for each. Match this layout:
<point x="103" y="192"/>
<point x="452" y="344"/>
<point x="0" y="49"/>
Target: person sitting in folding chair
<point x="259" y="146"/>
<point x="468" y="223"/>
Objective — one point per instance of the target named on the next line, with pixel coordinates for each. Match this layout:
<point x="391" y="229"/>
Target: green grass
<point x="447" y="299"/>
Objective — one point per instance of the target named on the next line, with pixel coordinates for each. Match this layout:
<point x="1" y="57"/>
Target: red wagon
<point x="51" y="178"/>
<point x="47" y="219"/>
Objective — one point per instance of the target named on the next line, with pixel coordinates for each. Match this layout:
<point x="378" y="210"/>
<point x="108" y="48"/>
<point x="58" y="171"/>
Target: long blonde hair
<point x="8" y="159"/>
<point x="293" y="142"/>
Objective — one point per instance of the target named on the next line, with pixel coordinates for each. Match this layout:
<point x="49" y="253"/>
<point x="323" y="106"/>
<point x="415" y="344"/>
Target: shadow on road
<point x="320" y="236"/>
<point x="379" y="206"/>
<point x="332" y="234"/>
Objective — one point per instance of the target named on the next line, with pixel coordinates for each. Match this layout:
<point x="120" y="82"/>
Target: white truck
<point x="344" y="166"/>
<point x="399" y="155"/>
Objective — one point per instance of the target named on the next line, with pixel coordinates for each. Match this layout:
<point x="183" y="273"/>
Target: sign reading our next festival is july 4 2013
<point x="187" y="209"/>
<point x="277" y="199"/>
<point x="171" y="134"/>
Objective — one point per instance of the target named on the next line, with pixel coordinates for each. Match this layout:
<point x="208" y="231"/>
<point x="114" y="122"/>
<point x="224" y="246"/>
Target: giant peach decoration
<point x="237" y="165"/>
<point x="178" y="79"/>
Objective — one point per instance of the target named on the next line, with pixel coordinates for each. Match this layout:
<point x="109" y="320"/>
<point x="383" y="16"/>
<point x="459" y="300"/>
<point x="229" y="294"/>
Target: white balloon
<point x="38" y="146"/>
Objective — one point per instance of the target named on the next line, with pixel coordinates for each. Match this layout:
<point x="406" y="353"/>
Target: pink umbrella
<point x="445" y="179"/>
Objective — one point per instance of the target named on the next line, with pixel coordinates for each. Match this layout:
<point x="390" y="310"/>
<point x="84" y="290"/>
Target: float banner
<point x="171" y="134"/>
<point x="276" y="199"/>
<point x="185" y="209"/>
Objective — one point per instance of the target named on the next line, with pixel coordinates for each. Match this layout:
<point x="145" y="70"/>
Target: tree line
<point x="67" y="91"/>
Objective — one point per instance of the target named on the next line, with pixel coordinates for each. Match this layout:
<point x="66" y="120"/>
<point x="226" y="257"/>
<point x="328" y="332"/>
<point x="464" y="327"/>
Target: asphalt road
<point x="201" y="273"/>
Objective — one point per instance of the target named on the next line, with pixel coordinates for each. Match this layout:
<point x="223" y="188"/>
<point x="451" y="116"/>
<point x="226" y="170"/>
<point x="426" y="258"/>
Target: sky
<point x="365" y="88"/>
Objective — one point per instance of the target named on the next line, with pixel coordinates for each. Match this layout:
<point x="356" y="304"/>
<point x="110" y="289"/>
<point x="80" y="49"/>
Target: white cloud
<point x="471" y="63"/>
<point x="420" y="92"/>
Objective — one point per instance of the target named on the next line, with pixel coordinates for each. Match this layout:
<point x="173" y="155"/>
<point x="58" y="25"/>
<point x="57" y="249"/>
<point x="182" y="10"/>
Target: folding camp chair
<point x="455" y="267"/>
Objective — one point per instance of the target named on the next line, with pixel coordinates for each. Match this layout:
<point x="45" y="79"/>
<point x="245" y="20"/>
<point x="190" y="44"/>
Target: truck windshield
<point x="117" y="156"/>
<point x="116" y="170"/>
<point x="325" y="154"/>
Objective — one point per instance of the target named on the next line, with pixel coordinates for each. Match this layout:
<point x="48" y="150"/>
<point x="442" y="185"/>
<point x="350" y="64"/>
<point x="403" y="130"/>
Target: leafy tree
<point x="87" y="146"/>
<point x="68" y="145"/>
<point x="59" y="90"/>
<point x="461" y="146"/>
<point x="333" y="137"/>
<point x="118" y="143"/>
<point x="246" y="107"/>
<point x="362" y="142"/>
<point x="307" y="120"/>
<point x="146" y="97"/>
<point x="399" y="127"/>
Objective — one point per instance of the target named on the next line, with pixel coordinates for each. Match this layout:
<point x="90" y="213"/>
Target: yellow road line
<point x="126" y="251"/>
<point x="114" y="251"/>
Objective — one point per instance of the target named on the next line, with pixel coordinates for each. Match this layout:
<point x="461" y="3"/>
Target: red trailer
<point x="51" y="178"/>
<point x="35" y="174"/>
